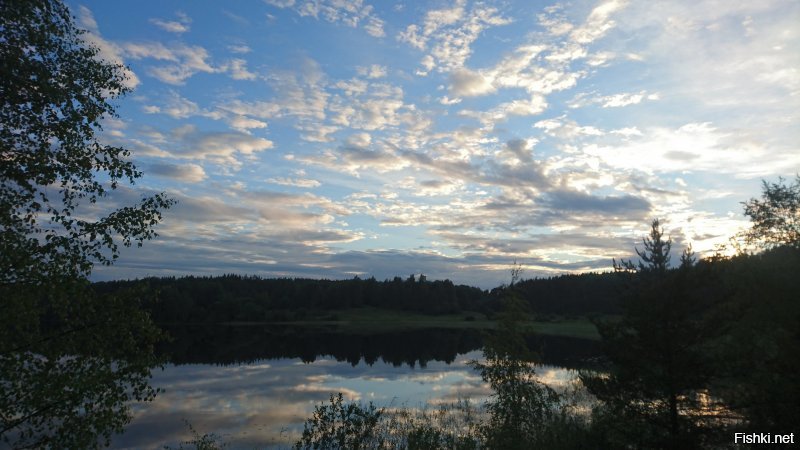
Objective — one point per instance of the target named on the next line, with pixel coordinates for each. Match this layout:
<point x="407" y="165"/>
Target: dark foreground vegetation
<point x="700" y="350"/>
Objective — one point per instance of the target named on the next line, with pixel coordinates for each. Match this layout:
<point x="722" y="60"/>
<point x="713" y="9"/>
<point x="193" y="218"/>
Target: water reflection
<point x="259" y="392"/>
<point x="244" y="344"/>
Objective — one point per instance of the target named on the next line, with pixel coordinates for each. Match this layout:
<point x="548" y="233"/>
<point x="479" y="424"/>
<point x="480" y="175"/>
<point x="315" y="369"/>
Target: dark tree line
<point x="248" y="298"/>
<point x="583" y="294"/>
<point x="245" y="298"/>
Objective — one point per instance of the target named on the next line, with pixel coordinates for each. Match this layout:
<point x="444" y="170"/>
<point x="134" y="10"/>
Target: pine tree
<point x="653" y="394"/>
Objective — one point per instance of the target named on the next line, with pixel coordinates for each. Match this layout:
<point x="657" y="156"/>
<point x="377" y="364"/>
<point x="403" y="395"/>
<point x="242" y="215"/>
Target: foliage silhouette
<point x="523" y="413"/>
<point x="340" y="425"/>
<point x="208" y="441"/>
<point x="654" y="258"/>
<point x="655" y="394"/>
<point x="55" y="91"/>
<point x="760" y="382"/>
<point x="70" y="359"/>
<point x="776" y="217"/>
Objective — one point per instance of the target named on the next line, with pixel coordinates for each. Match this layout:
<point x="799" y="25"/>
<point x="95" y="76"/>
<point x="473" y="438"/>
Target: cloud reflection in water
<point x="265" y="403"/>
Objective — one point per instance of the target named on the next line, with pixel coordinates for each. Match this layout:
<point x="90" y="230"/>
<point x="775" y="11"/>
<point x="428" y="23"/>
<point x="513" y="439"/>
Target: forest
<point x="231" y="298"/>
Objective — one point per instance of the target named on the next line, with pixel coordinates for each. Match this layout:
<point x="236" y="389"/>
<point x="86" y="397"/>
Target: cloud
<point x="244" y="124"/>
<point x="240" y="48"/>
<point x="140" y="148"/>
<point x="189" y="173"/>
<point x="598" y="23"/>
<point x="186" y="60"/>
<point x="380" y="107"/>
<point x="374" y="27"/>
<point x="541" y="67"/>
<point x="520" y="69"/>
<point x="349" y="13"/>
<point x="317" y="132"/>
<point x="707" y="52"/>
<point x="373" y="71"/>
<point x="516" y="170"/>
<point x="467" y="83"/>
<point x="237" y="68"/>
<point x="259" y="109"/>
<point x="176" y="107"/>
<point x="295" y="182"/>
<point x="244" y="227"/>
<point x="534" y="106"/>
<point x="280" y="3"/>
<point x="174" y="26"/>
<point x="693" y="146"/>
<point x="449" y="101"/>
<point x="301" y="96"/>
<point x="569" y="130"/>
<point x="354" y="159"/>
<point x="222" y="147"/>
<point x="629" y="206"/>
<point x="430" y="187"/>
<point x="190" y="211"/>
<point x="107" y="50"/>
<point x="362" y="140"/>
<point x="520" y="150"/>
<point x="451" y="32"/>
<point x="412" y="37"/>
<point x="612" y="101"/>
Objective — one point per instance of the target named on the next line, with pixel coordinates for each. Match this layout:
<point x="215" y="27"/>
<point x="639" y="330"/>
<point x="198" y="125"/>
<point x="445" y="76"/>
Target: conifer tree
<point x="653" y="393"/>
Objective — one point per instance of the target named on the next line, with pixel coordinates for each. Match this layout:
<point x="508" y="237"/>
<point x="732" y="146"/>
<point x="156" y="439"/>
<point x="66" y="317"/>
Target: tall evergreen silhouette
<point x="654" y="392"/>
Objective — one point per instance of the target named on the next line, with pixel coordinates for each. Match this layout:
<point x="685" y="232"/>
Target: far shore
<point x="373" y="319"/>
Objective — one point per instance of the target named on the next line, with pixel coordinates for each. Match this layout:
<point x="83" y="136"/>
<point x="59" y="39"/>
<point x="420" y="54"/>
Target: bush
<point x="338" y="425"/>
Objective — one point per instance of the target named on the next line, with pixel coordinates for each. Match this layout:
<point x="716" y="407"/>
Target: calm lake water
<point x="255" y="386"/>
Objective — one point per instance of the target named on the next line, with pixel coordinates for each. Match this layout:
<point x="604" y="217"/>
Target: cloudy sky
<point x="333" y="138"/>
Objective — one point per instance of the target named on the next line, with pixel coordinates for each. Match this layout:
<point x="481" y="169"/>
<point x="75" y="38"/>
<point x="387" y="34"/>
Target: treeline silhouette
<point x="571" y="295"/>
<point x="250" y="298"/>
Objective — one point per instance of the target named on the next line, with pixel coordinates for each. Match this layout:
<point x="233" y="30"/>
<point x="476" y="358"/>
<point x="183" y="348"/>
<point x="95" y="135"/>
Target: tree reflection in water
<point x="71" y="363"/>
<point x="254" y="386"/>
<point x="237" y="344"/>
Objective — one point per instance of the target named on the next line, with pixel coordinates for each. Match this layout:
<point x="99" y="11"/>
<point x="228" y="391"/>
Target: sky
<point x="333" y="139"/>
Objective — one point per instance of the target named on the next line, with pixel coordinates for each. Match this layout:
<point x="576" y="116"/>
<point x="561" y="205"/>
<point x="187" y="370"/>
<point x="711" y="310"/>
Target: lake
<point x="254" y="386"/>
